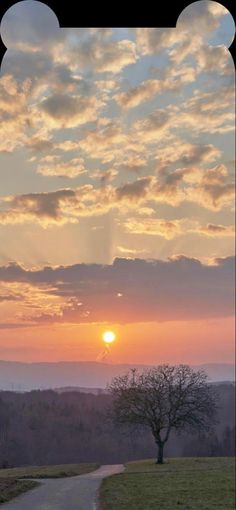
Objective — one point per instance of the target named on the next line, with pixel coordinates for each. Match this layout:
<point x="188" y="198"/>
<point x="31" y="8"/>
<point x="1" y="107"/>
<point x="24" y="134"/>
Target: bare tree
<point x="164" y="398"/>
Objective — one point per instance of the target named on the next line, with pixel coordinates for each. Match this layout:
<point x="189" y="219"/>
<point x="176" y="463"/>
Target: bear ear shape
<point x="210" y="20"/>
<point x="29" y="25"/>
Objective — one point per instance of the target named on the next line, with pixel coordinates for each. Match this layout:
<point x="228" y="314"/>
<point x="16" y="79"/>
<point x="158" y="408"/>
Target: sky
<point x="117" y="188"/>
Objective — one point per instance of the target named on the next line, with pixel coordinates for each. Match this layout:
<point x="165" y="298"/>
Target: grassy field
<point x="187" y="484"/>
<point x="58" y="471"/>
<point x="10" y="488"/>
<point x="12" y="481"/>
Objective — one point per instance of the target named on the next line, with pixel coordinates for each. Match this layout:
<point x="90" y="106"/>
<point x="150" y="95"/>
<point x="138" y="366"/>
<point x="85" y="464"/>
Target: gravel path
<point x="75" y="493"/>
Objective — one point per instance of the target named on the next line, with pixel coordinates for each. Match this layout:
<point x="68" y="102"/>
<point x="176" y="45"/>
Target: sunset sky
<point x="117" y="188"/>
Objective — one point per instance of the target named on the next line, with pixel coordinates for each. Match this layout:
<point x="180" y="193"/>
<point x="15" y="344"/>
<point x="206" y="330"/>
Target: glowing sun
<point x="108" y="337"/>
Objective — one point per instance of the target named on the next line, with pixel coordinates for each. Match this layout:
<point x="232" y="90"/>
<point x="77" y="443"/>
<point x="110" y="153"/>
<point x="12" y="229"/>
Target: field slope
<point x="187" y="484"/>
<point x="57" y="471"/>
<point x="12" y="481"/>
<point x="10" y="488"/>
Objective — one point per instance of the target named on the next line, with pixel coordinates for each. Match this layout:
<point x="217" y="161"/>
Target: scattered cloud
<point x="212" y="188"/>
<point x="105" y="176"/>
<point x="70" y="169"/>
<point x="48" y="208"/>
<point x="66" y="111"/>
<point x="171" y="229"/>
<point x="173" y="81"/>
<point x="144" y="92"/>
<point x="136" y="190"/>
<point x="103" y="142"/>
<point x="145" y="116"/>
<point x="213" y="230"/>
<point x="100" y="54"/>
<point x="134" y="163"/>
<point x="130" y="251"/>
<point x="216" y="189"/>
<point x="154" y="227"/>
<point x="179" y="289"/>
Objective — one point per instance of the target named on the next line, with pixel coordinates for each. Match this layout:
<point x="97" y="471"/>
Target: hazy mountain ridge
<point x="79" y="389"/>
<point x="27" y="376"/>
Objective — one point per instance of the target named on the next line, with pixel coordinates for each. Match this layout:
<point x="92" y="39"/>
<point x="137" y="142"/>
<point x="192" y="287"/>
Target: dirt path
<point x="75" y="493"/>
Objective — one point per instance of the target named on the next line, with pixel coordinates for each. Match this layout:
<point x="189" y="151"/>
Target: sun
<point x="108" y="337"/>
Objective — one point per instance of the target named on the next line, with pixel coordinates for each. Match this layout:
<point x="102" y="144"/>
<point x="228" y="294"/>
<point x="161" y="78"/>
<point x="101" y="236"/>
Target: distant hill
<point x="19" y="376"/>
<point x="79" y="389"/>
<point x="47" y="427"/>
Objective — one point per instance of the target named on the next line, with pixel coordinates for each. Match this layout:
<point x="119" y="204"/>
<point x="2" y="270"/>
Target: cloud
<point x="136" y="190"/>
<point x="106" y="88"/>
<point x="105" y="176"/>
<point x="168" y="186"/>
<point x="203" y="18"/>
<point x="67" y="146"/>
<point x="212" y="188"/>
<point x="13" y="112"/>
<point x="114" y="56"/>
<point x="66" y="111"/>
<point x="156" y="137"/>
<point x="68" y="169"/>
<point x="174" y="228"/>
<point x="204" y="112"/>
<point x="214" y="59"/>
<point x="152" y="128"/>
<point x="17" y="325"/>
<point x="210" y="112"/>
<point x="133" y="163"/>
<point x="68" y="98"/>
<point x="150" y="88"/>
<point x="154" y="40"/>
<point x="38" y="145"/>
<point x="90" y="48"/>
<point x="48" y="208"/>
<point x="59" y="207"/>
<point x="177" y="154"/>
<point x="213" y="230"/>
<point x="152" y="290"/>
<point x="216" y="188"/>
<point x="106" y="85"/>
<point x="130" y="251"/>
<point x="190" y="154"/>
<point x="154" y="227"/>
<point x="8" y="297"/>
<point x="35" y="66"/>
<point x="12" y="96"/>
<point x="19" y="299"/>
<point x="104" y="142"/>
<point x="99" y="54"/>
<point x="144" y="92"/>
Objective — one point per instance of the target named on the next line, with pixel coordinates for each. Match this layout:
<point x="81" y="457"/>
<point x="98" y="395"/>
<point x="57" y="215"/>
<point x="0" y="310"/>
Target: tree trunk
<point x="160" y="446"/>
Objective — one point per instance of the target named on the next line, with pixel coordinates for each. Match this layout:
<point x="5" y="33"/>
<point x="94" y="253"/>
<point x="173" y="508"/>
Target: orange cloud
<point x="181" y="288"/>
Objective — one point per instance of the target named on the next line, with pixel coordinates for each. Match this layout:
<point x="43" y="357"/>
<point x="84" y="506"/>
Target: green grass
<point x="10" y="488"/>
<point x="179" y="484"/>
<point x="58" y="471"/>
<point x="12" y="481"/>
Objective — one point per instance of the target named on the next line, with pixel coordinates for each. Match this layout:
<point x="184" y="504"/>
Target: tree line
<point x="44" y="427"/>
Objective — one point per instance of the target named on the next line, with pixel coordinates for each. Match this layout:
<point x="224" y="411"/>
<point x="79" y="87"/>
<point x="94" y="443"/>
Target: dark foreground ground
<point x="13" y="483"/>
<point x="70" y="493"/>
<point x="186" y="483"/>
<point x="10" y="488"/>
<point x="179" y="484"/>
